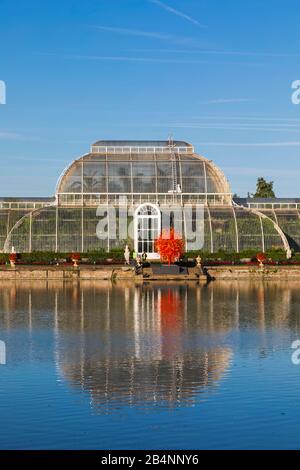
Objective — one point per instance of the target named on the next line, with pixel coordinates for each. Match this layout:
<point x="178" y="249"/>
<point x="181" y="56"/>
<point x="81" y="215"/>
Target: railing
<point x="95" y="199"/>
<point x="24" y="204"/>
<point x="127" y="149"/>
<point x="273" y="205"/>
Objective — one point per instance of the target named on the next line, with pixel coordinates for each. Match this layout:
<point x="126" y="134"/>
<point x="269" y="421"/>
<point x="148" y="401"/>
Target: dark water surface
<point x="172" y="367"/>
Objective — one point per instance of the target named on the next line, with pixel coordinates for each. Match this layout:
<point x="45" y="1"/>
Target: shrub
<point x="117" y="255"/>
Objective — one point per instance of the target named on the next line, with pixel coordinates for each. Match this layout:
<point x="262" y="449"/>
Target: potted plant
<point x="12" y="259"/>
<point x="75" y="257"/>
<point x="261" y="258"/>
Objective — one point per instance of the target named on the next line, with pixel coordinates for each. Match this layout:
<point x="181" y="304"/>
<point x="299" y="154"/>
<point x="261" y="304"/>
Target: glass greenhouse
<point x="147" y="178"/>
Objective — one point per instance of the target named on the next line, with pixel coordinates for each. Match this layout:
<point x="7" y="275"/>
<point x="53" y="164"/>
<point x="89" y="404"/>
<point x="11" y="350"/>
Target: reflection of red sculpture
<point x="171" y="309"/>
<point x="170" y="302"/>
<point x="169" y="245"/>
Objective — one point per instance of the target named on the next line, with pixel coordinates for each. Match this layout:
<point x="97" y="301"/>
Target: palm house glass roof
<point x="133" y="168"/>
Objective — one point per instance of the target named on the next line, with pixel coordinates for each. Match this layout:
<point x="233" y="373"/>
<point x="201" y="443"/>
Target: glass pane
<point x="193" y="185"/>
<point x="94" y="169"/>
<point x="71" y="185"/>
<point x="94" y="185"/>
<point x="289" y="222"/>
<point x="164" y="185"/>
<point x="143" y="169"/>
<point x="212" y="186"/>
<point x="119" y="169"/>
<point x="71" y="182"/>
<point x="164" y="169"/>
<point x="223" y="229"/>
<point x="249" y="230"/>
<point x="69" y="229"/>
<point x="144" y="185"/>
<point x="192" y="169"/>
<point x="119" y="185"/>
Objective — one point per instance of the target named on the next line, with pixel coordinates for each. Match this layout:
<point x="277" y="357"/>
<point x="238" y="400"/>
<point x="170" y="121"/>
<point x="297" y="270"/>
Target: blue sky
<point x="215" y="73"/>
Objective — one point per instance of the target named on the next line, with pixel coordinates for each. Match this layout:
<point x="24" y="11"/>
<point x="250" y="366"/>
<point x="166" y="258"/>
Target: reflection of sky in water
<point x="149" y="366"/>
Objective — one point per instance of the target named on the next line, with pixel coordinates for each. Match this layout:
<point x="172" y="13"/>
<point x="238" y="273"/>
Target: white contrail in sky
<point x="11" y="136"/>
<point x="227" y="100"/>
<point x="134" y="32"/>
<point x="225" y="53"/>
<point x="177" y="12"/>
<point x="251" y="144"/>
<point x="138" y="59"/>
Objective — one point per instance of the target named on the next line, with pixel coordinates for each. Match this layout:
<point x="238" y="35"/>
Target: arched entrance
<point x="147" y="227"/>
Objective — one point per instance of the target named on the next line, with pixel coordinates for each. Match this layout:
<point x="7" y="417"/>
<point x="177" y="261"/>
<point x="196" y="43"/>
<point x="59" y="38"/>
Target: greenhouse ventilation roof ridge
<point x="140" y="143"/>
<point x="244" y="200"/>
<point x="27" y="199"/>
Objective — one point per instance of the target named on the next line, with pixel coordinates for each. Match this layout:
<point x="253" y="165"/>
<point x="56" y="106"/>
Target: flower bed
<point x="115" y="257"/>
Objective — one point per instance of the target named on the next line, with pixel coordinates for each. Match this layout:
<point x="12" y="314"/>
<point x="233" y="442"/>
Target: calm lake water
<point x="101" y="366"/>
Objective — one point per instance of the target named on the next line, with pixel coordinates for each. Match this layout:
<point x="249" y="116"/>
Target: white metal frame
<point x="142" y="149"/>
<point x="273" y="205"/>
<point x="217" y="199"/>
<point x="261" y="215"/>
<point x="138" y="216"/>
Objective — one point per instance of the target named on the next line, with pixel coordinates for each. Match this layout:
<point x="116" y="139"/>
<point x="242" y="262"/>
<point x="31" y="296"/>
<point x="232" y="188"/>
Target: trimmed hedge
<point x="275" y="256"/>
<point x="46" y="257"/>
<point x="117" y="255"/>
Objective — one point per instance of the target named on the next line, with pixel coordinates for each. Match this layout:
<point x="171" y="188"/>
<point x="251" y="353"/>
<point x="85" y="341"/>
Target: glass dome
<point x="158" y="171"/>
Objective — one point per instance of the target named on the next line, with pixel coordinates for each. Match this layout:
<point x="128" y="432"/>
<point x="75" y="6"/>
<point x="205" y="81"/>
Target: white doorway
<point x="147" y="228"/>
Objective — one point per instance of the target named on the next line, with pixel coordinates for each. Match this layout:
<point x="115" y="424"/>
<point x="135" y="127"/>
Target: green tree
<point x="264" y="189"/>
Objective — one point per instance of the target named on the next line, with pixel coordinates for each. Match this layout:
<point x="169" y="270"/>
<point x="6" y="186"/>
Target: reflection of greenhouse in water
<point x="156" y="367"/>
<point x="125" y="344"/>
<point x="152" y="176"/>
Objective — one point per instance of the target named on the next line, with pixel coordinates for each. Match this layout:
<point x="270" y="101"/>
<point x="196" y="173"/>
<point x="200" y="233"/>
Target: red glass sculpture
<point x="170" y="246"/>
